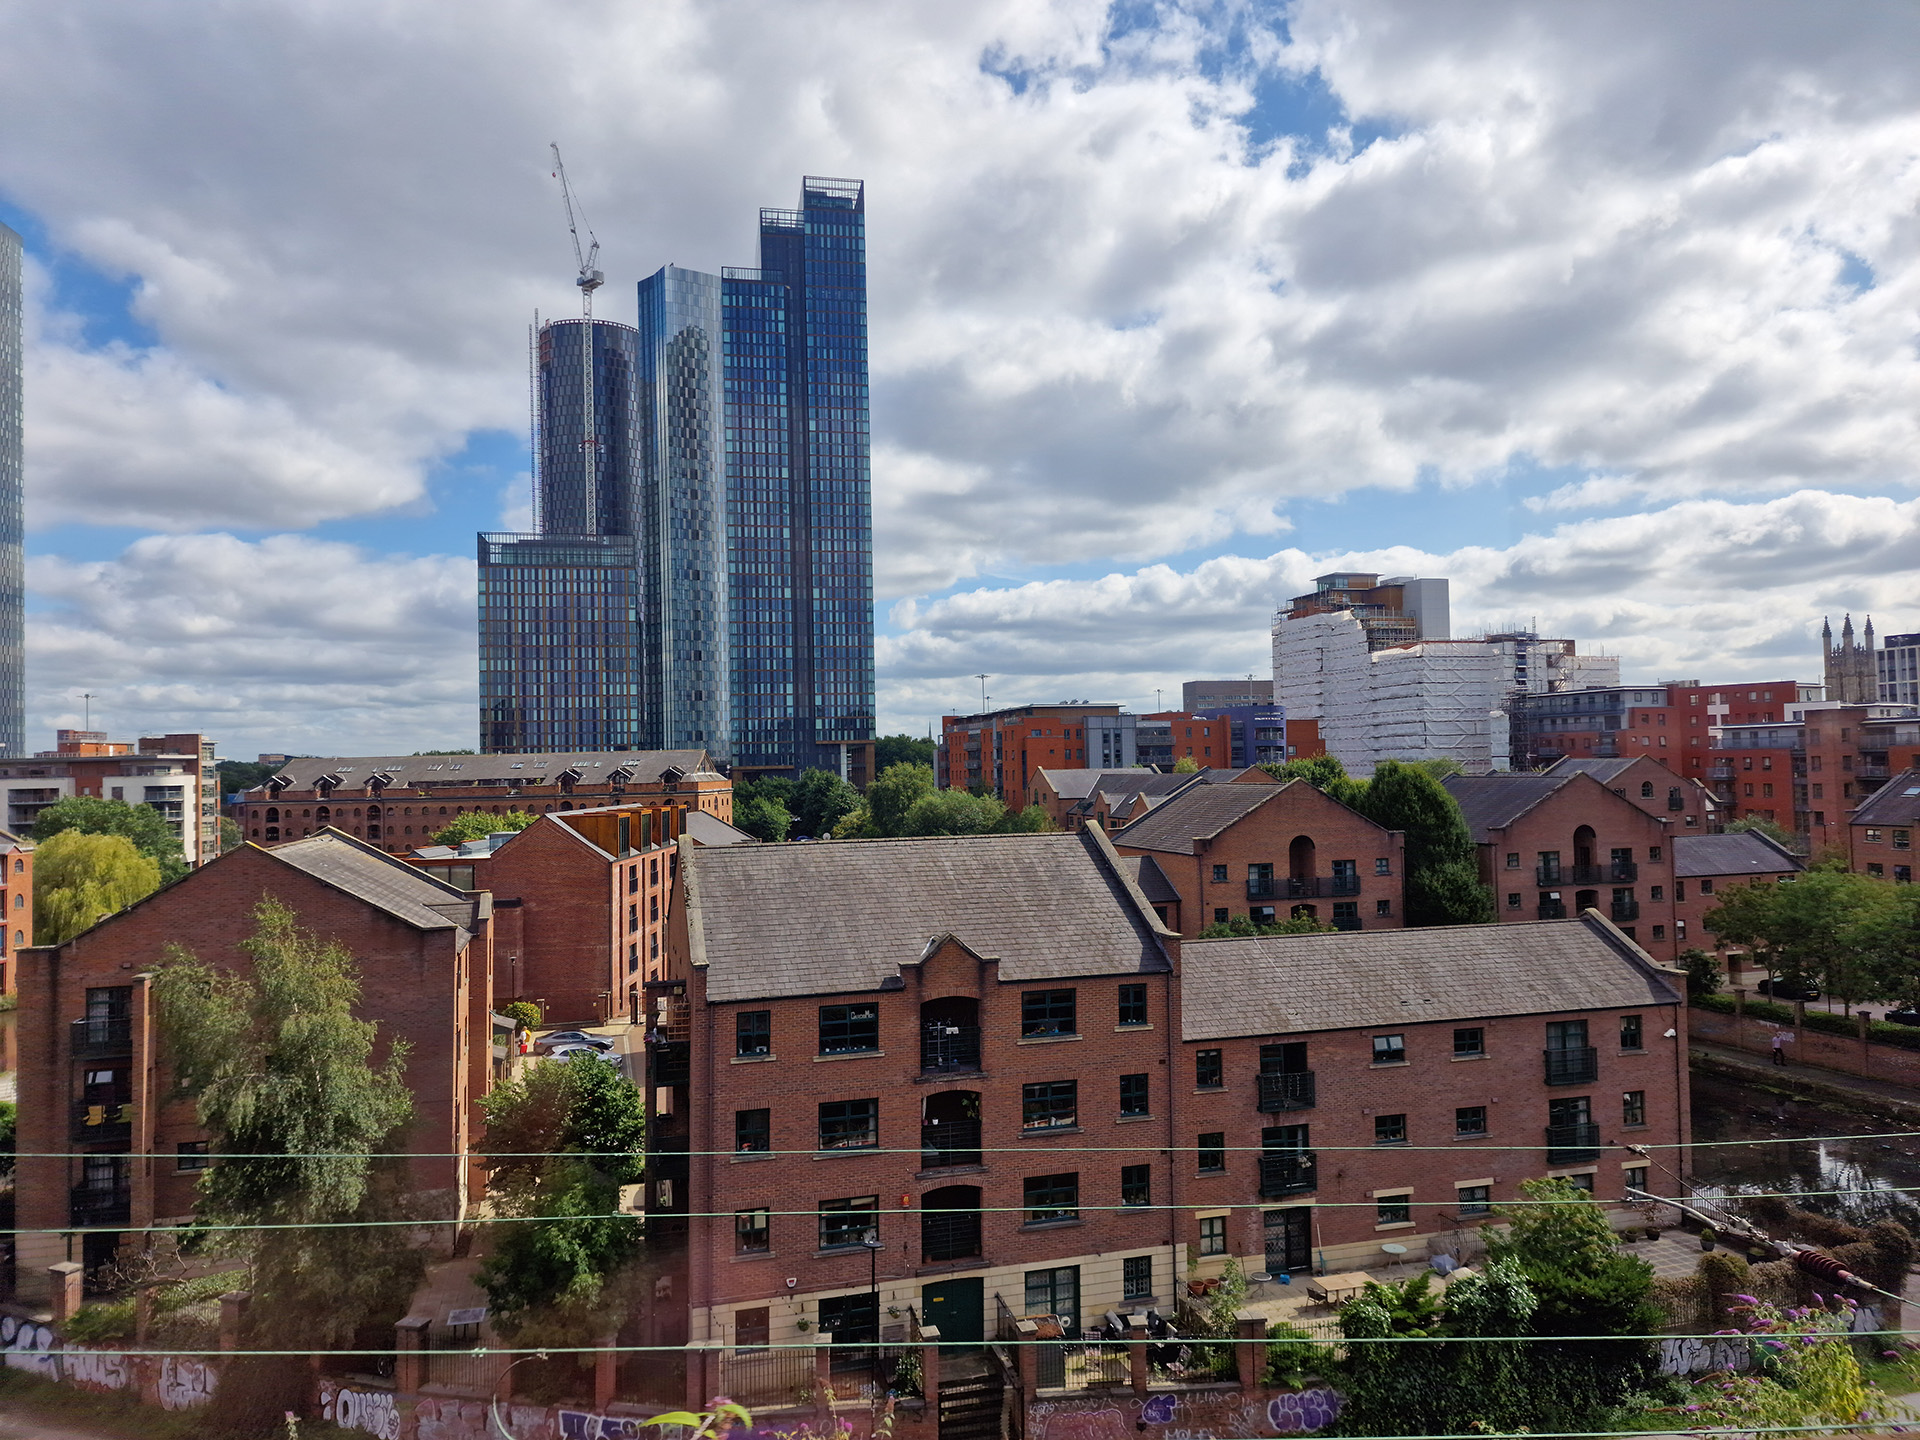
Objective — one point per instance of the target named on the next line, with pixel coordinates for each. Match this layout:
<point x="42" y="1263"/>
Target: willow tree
<point x="81" y="878"/>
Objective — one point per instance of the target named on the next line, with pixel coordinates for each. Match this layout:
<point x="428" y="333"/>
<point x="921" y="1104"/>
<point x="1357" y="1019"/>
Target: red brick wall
<point x="1810" y="1047"/>
<point x="1694" y="902"/>
<point x="16" y="915"/>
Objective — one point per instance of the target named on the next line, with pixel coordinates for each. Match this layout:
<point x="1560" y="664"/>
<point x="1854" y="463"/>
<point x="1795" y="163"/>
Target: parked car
<point x="574" y="1052"/>
<point x="1788" y="990"/>
<point x="573" y="1037"/>
<point x="1902" y="1017"/>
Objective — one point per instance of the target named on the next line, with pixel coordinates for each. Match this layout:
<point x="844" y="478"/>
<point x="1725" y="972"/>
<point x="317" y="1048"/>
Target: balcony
<point x="1578" y="1065"/>
<point x="949" y="1142"/>
<point x="1343" y="885"/>
<point x="1720" y="772"/>
<point x="1289" y="1172"/>
<point x="1264" y="887"/>
<point x="1572" y="1144"/>
<point x="102" y="1037"/>
<point x="1624" y="909"/>
<point x="1553" y="910"/>
<point x="102" y="1123"/>
<point x="672" y="1062"/>
<point x="1547" y="874"/>
<point x="1294" y="1091"/>
<point x="949" y="1234"/>
<point x="949" y="1049"/>
<point x="1676" y="802"/>
<point x="1345" y="922"/>
<point x="99" y="1205"/>
<point x="1617" y="872"/>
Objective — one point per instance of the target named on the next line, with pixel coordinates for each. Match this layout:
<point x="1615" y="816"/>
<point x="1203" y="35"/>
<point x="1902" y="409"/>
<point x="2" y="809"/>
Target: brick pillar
<point x="1251" y="1351"/>
<point x="606" y="1363"/>
<point x="1026" y="1358"/>
<point x="65" y="1290"/>
<point x="233" y="1314"/>
<point x="702" y="1373"/>
<point x="410" y="1364"/>
<point x="823" y="1379"/>
<point x="1137" y="1353"/>
<point x="930" y="1370"/>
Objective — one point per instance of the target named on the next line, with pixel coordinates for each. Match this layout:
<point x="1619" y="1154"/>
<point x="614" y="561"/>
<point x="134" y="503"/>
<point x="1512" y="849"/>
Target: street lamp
<point x="872" y="1241"/>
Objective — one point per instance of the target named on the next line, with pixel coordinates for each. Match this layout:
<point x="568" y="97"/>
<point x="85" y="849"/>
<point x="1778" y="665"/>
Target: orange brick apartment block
<point x="398" y="802"/>
<point x="94" y="1078"/>
<point x="16" y="907"/>
<point x="1003" y="750"/>
<point x="1270" y="852"/>
<point x="988" y="1054"/>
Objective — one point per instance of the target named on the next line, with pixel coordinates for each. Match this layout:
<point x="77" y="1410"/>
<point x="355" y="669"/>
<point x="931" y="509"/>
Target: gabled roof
<point x="1202" y="812"/>
<point x="1745" y="852"/>
<point x="1150" y="879"/>
<point x="410" y="895"/>
<point x="1289" y="984"/>
<point x="1078" y="784"/>
<point x="1129" y="794"/>
<point x="1601" y="770"/>
<point x="1493" y="802"/>
<point x="712" y="830"/>
<point x="1895" y="803"/>
<point x="844" y="916"/>
<point x="353" y="771"/>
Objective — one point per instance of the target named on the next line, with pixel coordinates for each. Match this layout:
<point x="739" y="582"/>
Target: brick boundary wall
<point x="1844" y="1053"/>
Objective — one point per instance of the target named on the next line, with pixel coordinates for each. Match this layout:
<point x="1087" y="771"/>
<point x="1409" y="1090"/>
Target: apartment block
<point x="1672" y="723"/>
<point x="1706" y="867"/>
<point x="1001" y="751"/>
<point x="16" y="907"/>
<point x="172" y="774"/>
<point x="1881" y="829"/>
<point x="1810" y="770"/>
<point x="1106" y="798"/>
<point x="1645" y="782"/>
<point x="1198" y="695"/>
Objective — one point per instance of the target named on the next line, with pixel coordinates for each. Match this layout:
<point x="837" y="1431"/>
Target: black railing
<point x="1286" y="1092"/>
<point x="1553" y="909"/>
<point x="945" y="1049"/>
<point x="1304" y="887"/>
<point x="770" y="1378"/>
<point x="102" y="1122"/>
<point x="103" y="1037"/>
<point x="1262" y="887"/>
<point x="672" y="1062"/>
<point x="1546" y="874"/>
<point x="949" y="1142"/>
<point x="1571" y="1144"/>
<point x="1578" y="1065"/>
<point x="1614" y="873"/>
<point x="1345" y="922"/>
<point x="1344" y="885"/>
<point x="1625" y="910"/>
<point x="1289" y="1172"/>
<point x="1676" y="802"/>
<point x="100" y="1204"/>
<point x="949" y="1234"/>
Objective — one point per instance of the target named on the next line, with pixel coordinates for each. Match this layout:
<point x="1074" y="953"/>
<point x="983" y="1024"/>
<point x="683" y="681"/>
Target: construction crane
<point x="589" y="279"/>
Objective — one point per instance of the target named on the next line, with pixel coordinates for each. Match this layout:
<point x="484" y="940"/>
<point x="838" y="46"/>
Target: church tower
<point x="1850" y="677"/>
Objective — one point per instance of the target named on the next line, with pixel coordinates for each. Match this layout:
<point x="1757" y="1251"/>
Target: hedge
<point x="1905" y="1037"/>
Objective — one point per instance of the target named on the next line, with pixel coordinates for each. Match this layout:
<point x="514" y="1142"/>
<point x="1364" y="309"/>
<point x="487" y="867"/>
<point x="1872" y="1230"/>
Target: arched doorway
<point x="1300" y="867"/>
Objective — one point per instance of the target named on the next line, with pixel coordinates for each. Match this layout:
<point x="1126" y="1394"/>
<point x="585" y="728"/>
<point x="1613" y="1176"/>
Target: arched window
<point x="1646" y="789"/>
<point x="323" y="814"/>
<point x="273" y="815"/>
<point x="950" y="1223"/>
<point x="373" y="812"/>
<point x="273" y="832"/>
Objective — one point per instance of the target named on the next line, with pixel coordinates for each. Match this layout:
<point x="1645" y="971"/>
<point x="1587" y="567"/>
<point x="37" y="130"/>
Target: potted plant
<point x="1653" y="1232"/>
<point x="1707" y="1238"/>
<point x="803" y="1324"/>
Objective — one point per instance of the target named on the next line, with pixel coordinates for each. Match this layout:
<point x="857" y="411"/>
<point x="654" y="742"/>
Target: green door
<point x="958" y="1308"/>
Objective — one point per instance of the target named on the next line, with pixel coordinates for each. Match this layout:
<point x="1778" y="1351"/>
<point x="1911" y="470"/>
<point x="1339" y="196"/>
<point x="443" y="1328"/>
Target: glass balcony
<point x="1286" y="1092"/>
<point x="1572" y="1144"/>
<point x="1579" y="1065"/>
<point x="1289" y="1172"/>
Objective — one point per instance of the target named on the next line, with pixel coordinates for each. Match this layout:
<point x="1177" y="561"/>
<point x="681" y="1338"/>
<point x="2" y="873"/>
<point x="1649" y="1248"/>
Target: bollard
<point x="606" y="1363"/>
<point x="1137" y="1353"/>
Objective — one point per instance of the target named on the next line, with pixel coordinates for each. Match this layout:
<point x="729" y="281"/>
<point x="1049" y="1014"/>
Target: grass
<point x="1898" y="1376"/>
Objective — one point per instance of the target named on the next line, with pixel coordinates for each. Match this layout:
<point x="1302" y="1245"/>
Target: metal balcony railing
<point x="1289" y="1172"/>
<point x="1617" y="872"/>
<point x="1624" y="909"/>
<point x="949" y="1234"/>
<point x="1579" y="1065"/>
<point x="1571" y="1144"/>
<point x="103" y="1037"/>
<point x="1676" y="802"/>
<point x="1553" y="909"/>
<point x="1295" y="1091"/>
<point x="101" y="1122"/>
<point x="945" y="1049"/>
<point x="1547" y="874"/>
<point x="100" y="1204"/>
<point x="1305" y="887"/>
<point x="949" y="1142"/>
<point x="1343" y="885"/>
<point x="1263" y="887"/>
<point x="672" y="1062"/>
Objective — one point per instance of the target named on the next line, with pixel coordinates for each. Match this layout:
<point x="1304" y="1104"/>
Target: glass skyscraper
<point x="741" y="492"/>
<point x="13" y="686"/>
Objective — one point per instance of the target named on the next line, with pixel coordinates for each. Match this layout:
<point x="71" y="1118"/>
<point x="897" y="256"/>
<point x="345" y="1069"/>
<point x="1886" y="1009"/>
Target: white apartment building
<point x="173" y="774"/>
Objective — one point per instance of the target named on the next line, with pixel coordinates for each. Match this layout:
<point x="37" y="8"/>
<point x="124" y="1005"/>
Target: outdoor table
<point x="1336" y="1289"/>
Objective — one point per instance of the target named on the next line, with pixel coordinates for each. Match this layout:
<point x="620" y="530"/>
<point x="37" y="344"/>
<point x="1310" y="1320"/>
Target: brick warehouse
<point x="16" y="907"/>
<point x="991" y="1054"/>
<point x="92" y="1076"/>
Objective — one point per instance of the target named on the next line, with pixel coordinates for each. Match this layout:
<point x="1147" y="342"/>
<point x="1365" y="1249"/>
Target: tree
<point x="1186" y="765"/>
<point x="891" y="750"/>
<point x="1703" y="972"/>
<point x="301" y="1124"/>
<point x="149" y="831"/>
<point x="237" y="775"/>
<point x="761" y="816"/>
<point x="231" y="836"/>
<point x="820" y="799"/>
<point x="1770" y="829"/>
<point x="894" y="793"/>
<point x="1443" y="871"/>
<point x="1033" y="820"/>
<point x="80" y="879"/>
<point x="1323" y="772"/>
<point x="1240" y="925"/>
<point x="478" y="825"/>
<point x="1829" y="928"/>
<point x="952" y="812"/>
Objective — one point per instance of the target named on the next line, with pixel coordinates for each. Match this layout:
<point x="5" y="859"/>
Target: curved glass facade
<point x="13" y="697"/>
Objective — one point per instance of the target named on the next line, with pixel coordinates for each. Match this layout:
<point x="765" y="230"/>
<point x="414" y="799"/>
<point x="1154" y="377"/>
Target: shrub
<point x="522" y="1012"/>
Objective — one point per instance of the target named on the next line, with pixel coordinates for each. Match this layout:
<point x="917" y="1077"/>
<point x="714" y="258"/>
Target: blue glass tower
<point x="13" y="696"/>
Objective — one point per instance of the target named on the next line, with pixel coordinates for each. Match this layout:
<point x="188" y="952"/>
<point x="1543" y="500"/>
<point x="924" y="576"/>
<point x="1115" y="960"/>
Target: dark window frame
<point x="751" y="1028"/>
<point x="835" y="1231"/>
<point x="1045" y="1014"/>
<point x="1465" y="1123"/>
<point x="843" y="1026"/>
<point x="1051" y="1199"/>
<point x="743" y="1129"/>
<point x="1209" y="1070"/>
<point x="1389" y="1049"/>
<point x="842" y="1121"/>
<point x="1131" y="1009"/>
<point x="1136" y="1185"/>
<point x="1390" y="1129"/>
<point x="1050" y="1105"/>
<point x="745" y="1229"/>
<point x="1210" y="1152"/>
<point x="1136" y="1095"/>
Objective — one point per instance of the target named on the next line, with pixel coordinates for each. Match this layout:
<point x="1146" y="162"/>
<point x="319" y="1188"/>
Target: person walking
<point x="1779" y="1047"/>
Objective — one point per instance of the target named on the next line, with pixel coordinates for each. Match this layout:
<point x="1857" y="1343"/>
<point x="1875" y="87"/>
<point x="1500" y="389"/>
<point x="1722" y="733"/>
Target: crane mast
<point x="589" y="279"/>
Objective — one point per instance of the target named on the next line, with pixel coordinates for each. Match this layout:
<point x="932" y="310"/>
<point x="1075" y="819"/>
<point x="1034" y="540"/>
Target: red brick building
<point x="94" y="1079"/>
<point x="988" y="1055"/>
<point x="1107" y="798"/>
<point x="1670" y="723"/>
<point x="1809" y="772"/>
<point x="398" y="802"/>
<point x="1706" y="866"/>
<point x="173" y="775"/>
<point x="1655" y="788"/>
<point x="1882" y="828"/>
<point x="16" y="906"/>
<point x="1269" y="852"/>
<point x="1003" y="750"/>
<point x="1559" y="844"/>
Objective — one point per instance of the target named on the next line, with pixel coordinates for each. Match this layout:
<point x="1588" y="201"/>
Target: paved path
<point x="1763" y="1068"/>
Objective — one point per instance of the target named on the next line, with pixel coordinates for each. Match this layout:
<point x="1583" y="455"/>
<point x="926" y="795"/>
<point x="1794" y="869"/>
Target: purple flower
<point x="1746" y="1299"/>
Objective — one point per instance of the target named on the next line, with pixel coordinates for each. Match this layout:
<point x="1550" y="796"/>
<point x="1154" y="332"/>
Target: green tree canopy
<point x="895" y="793"/>
<point x="761" y="815"/>
<point x="1323" y="772"/>
<point x="1241" y="925"/>
<point x="1838" y="930"/>
<point x="79" y="879"/>
<point x="1443" y="871"/>
<point x="1186" y="765"/>
<point x="890" y="750"/>
<point x="820" y="800"/>
<point x="952" y="812"/>
<point x="478" y="824"/>
<point x="144" y="826"/>
<point x="236" y="775"/>
<point x="1760" y="826"/>
<point x="1033" y="820"/>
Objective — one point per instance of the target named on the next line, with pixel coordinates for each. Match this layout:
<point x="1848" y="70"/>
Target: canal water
<point x="1880" y="1179"/>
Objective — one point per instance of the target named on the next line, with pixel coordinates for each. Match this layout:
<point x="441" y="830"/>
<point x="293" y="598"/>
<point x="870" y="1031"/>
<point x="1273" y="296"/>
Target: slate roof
<point x="1286" y="984"/>
<point x="1895" y="803"/>
<point x="1601" y="770"/>
<point x="354" y="770"/>
<point x="1131" y="793"/>
<point x="1493" y="802"/>
<point x="1078" y="784"/>
<point x="1146" y="873"/>
<point x="1745" y="852"/>
<point x="410" y="895"/>
<point x="1203" y="810"/>
<point x="711" y="830"/>
<point x="845" y="916"/>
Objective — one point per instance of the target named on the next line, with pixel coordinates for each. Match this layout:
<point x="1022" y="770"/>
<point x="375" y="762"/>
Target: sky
<point x="1605" y="312"/>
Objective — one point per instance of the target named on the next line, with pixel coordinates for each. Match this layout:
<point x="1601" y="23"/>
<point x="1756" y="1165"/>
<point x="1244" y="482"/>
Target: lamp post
<point x="872" y="1241"/>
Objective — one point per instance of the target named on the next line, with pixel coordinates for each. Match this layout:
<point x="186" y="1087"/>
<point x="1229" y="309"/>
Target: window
<point x="1136" y="1184"/>
<point x="1347" y="910"/>
<point x="1047" y="1012"/>
<point x="1872" y="836"/>
<point x="1513" y="860"/>
<point x="1630" y="1033"/>
<point x="1054" y="1292"/>
<point x="1383" y="907"/>
<point x="751" y="1235"/>
<point x="1389" y="1050"/>
<point x="1207" y="1072"/>
<point x="1049" y="1105"/>
<point x="1903" y="839"/>
<point x="752" y="1129"/>
<point x="1658" y="892"/>
<point x="1706" y="887"/>
<point x="1383" y="865"/>
<point x="753" y="1032"/>
<point x="1213" y="1152"/>
<point x="1582" y="1181"/>
<point x="1470" y="1120"/>
<point x="1213" y="1234"/>
<point x="753" y="1329"/>
<point x="1474" y="1199"/>
<point x="1136" y="1277"/>
<point x="1469" y="1040"/>
<point x="1220" y="915"/>
<point x="1389" y="1129"/>
<point x="1633" y="1108"/>
<point x="1052" y="1197"/>
<point x="1635" y="1177"/>
<point x="1133" y="1005"/>
<point x="190" y="1155"/>
<point x="849" y="1124"/>
<point x="1133" y="1095"/>
<point x="1393" y="1210"/>
<point x="846" y="1222"/>
<point x="848" y="1029"/>
<point x="1219" y="874"/>
<point x="851" y="1319"/>
<point x="1513" y="900"/>
<point x="1646" y="789"/>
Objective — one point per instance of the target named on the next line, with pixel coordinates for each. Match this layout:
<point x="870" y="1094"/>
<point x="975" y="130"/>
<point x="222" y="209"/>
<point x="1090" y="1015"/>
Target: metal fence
<point x="464" y="1370"/>
<point x="1081" y="1364"/>
<point x="767" y="1377"/>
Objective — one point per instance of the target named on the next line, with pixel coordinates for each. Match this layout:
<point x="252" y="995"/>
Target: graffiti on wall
<point x="374" y="1411"/>
<point x="186" y="1383"/>
<point x="28" y="1347"/>
<point x="1185" y="1415"/>
<point x="582" y="1425"/>
<point x="96" y="1370"/>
